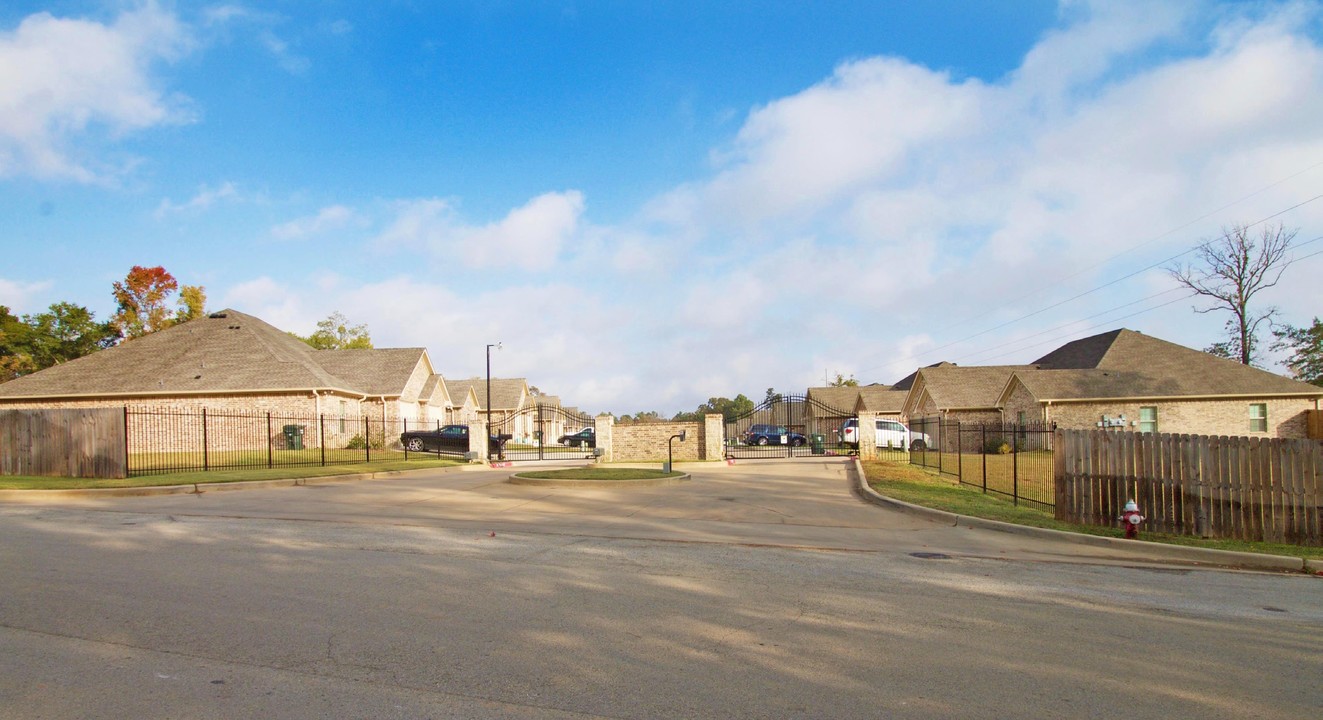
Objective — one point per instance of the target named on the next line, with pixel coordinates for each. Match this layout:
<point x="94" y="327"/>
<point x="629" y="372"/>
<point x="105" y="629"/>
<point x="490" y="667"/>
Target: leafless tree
<point x="1230" y="270"/>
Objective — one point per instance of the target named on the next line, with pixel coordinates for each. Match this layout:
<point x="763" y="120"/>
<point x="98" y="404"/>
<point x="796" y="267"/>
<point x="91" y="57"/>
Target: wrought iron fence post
<point x="128" y="461"/>
<point x="960" y="453"/>
<point x="205" y="460"/>
<point x="268" y="440"/>
<point x="367" y="438"/>
<point x="321" y="435"/>
<point x="983" y="448"/>
<point x="405" y="445"/>
<point x="1015" y="472"/>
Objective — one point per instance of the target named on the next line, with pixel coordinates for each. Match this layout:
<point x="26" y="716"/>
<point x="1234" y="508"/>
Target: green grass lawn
<point x="1029" y="473"/>
<point x="26" y="482"/>
<point x="912" y="484"/>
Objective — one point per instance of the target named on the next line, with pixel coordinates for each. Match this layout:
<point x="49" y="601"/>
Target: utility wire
<point x="1110" y="283"/>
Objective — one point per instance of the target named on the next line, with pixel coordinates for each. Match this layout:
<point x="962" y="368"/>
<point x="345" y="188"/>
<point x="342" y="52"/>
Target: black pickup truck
<point x="449" y="438"/>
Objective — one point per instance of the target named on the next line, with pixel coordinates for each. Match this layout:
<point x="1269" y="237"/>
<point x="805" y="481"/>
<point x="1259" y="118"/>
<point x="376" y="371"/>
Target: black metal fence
<point x="1011" y="460"/>
<point x="186" y="441"/>
<point x="788" y="426"/>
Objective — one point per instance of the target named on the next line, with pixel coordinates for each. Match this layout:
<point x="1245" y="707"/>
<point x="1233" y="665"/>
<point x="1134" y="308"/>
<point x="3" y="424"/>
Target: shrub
<point x="996" y="446"/>
<point x="357" y="442"/>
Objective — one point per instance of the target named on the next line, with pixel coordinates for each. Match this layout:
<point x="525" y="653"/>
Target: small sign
<point x="1112" y="422"/>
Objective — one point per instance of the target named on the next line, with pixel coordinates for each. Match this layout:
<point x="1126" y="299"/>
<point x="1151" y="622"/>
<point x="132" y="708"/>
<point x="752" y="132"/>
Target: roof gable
<point x="1125" y="363"/>
<point x="224" y="352"/>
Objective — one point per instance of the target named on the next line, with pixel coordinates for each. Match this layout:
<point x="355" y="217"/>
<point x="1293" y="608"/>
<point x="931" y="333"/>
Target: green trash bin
<point x="819" y="443"/>
<point x="294" y="437"/>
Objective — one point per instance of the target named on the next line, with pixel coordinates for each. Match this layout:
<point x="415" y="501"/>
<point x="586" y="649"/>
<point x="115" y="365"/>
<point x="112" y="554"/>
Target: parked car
<point x="586" y="437"/>
<point x="772" y="435"/>
<point x="890" y="433"/>
<point x="449" y="438"/>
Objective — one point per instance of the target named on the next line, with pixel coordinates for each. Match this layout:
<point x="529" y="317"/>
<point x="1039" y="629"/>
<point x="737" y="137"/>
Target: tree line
<point x="147" y="300"/>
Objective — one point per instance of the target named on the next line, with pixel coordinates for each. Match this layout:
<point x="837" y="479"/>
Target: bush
<point x="357" y="442"/>
<point x="996" y="446"/>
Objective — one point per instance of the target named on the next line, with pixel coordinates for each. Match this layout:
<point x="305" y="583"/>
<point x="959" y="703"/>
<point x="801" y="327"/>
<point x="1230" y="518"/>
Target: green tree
<point x="62" y="333"/>
<point x="335" y="333"/>
<point x="141" y="299"/>
<point x="1231" y="269"/>
<point x="1306" y="347"/>
<point x="15" y="359"/>
<point x="772" y="397"/>
<point x="729" y="409"/>
<point x="842" y="381"/>
<point x="65" y="332"/>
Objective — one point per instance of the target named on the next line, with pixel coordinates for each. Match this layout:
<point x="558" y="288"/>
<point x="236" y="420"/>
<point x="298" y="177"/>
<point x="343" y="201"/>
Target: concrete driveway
<point x="755" y="591"/>
<point x="799" y="503"/>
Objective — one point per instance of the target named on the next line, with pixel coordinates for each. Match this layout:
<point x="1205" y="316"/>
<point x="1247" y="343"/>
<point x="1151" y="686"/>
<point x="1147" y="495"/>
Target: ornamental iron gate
<point x="546" y="432"/>
<point x="788" y="426"/>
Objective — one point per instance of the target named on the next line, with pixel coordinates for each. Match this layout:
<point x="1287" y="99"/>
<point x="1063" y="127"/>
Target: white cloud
<point x="531" y="237"/>
<point x="872" y="222"/>
<point x="19" y="296"/>
<point x="203" y="200"/>
<point x="58" y="105"/>
<point x="328" y="219"/>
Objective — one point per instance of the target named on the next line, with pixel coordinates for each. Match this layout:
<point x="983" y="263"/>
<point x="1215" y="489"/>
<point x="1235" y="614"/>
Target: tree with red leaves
<point x="142" y="301"/>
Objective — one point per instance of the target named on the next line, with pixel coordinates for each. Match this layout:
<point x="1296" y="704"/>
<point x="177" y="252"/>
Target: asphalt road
<point x="757" y="591"/>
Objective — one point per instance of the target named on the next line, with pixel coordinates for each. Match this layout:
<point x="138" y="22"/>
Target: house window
<point x="344" y="408"/>
<point x="1258" y="417"/>
<point x="1148" y="419"/>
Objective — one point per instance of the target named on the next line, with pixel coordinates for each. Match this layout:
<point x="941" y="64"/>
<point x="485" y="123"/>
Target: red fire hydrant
<point x="1131" y="519"/>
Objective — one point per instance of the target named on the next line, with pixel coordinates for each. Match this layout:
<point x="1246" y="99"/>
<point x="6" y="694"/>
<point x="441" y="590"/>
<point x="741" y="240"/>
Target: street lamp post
<point x="489" y="398"/>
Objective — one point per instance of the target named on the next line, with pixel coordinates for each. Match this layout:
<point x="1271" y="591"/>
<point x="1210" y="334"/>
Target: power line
<point x="1079" y="333"/>
<point x="1111" y="283"/>
<point x="1150" y="241"/>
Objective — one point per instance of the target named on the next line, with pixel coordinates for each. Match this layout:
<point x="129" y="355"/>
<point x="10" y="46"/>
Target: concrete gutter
<point x="1154" y="551"/>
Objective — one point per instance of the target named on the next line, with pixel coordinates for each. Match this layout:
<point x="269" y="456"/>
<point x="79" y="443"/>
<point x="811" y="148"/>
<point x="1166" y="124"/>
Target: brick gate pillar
<point x="867" y="433"/>
<point x="714" y="434"/>
<point x="602" y="426"/>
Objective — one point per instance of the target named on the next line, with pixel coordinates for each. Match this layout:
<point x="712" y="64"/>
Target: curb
<point x="1155" y="551"/>
<point x="18" y="496"/>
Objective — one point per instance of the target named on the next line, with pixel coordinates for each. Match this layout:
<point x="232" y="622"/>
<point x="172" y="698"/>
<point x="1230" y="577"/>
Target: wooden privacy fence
<point x="69" y="443"/>
<point x="1227" y="487"/>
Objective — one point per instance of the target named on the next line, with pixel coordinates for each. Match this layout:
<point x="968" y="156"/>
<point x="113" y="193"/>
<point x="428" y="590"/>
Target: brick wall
<point x="1286" y="417"/>
<point x="648" y="441"/>
<point x="174" y="424"/>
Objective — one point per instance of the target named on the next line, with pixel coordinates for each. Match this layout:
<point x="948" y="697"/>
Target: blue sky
<point x="651" y="204"/>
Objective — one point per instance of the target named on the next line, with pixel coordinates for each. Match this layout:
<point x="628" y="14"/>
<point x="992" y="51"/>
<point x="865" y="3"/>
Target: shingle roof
<point x="1125" y="363"/>
<point x="837" y="400"/>
<point x="375" y="372"/>
<point x="968" y="388"/>
<point x="227" y="351"/>
<point x="459" y="390"/>
<point x="506" y="392"/>
<point x="880" y="398"/>
<point x="907" y="382"/>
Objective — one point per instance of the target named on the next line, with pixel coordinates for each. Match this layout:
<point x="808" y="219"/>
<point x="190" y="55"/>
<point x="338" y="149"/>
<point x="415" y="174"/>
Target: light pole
<point x="489" y="398"/>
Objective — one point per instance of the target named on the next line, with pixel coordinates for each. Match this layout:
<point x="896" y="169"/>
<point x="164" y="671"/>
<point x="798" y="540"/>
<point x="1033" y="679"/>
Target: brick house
<point x="231" y="362"/>
<point x="1127" y="380"/>
<point x="512" y="410"/>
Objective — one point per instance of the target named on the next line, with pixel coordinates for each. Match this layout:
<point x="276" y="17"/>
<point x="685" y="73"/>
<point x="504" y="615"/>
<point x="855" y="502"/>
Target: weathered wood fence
<point x="1314" y="424"/>
<point x="1228" y="487"/>
<point x="69" y="443"/>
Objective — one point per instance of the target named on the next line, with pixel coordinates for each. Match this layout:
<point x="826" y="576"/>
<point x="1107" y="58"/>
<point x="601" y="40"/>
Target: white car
<point x="890" y="434"/>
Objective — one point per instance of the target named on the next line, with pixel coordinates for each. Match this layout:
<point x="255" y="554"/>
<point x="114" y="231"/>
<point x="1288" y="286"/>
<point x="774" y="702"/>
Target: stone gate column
<point x="478" y="440"/>
<point x="867" y="434"/>
<point x="714" y="433"/>
<point x="602" y="426"/>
